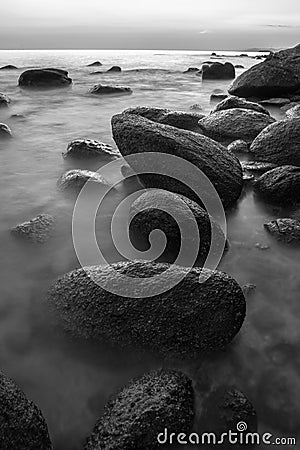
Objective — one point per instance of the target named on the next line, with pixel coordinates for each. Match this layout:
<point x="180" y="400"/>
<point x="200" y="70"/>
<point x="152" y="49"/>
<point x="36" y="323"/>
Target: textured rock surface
<point x="88" y="148"/>
<point x="178" y="119"/>
<point x="279" y="143"/>
<point x="135" y="134"/>
<point x="236" y="102"/>
<point x="76" y="179"/>
<point x="233" y="124"/>
<point x="22" y="425"/>
<point x="44" y="78"/>
<point x="4" y="100"/>
<point x="103" y="89"/>
<point x="285" y="230"/>
<point x="238" y="146"/>
<point x="143" y="409"/>
<point x="38" y="229"/>
<point x="218" y="71"/>
<point x="277" y="76"/>
<point x="280" y="185"/>
<point x="5" y="131"/>
<point x="184" y="321"/>
<point x="257" y="166"/>
<point x="293" y="113"/>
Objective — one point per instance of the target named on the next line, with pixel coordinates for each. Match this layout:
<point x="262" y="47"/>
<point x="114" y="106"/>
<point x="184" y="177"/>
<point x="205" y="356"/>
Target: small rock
<point x="38" y="230"/>
<point x="280" y="185"/>
<point x="239" y="66"/>
<point x="115" y="69"/>
<point x="218" y="71"/>
<point x="77" y="178"/>
<point x="8" y="67"/>
<point x="284" y="230"/>
<point x="248" y="288"/>
<point x="248" y="177"/>
<point x="262" y="246"/>
<point x="101" y="89"/>
<point x="5" y="131"/>
<point x="96" y="63"/>
<point x="238" y="146"/>
<point x="88" y="148"/>
<point x="196" y="107"/>
<point x="236" y="102"/>
<point x="257" y="166"/>
<point x="4" y="100"/>
<point x="275" y="102"/>
<point x="192" y="70"/>
<point x="217" y="95"/>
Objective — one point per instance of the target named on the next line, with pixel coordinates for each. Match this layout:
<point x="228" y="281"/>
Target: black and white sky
<point x="149" y="24"/>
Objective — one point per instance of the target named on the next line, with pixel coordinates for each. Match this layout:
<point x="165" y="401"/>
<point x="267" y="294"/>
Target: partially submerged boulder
<point x="5" y="131"/>
<point x="94" y="64"/>
<point x="190" y="318"/>
<point x="277" y="76"/>
<point x="22" y="425"/>
<point x="192" y="70"/>
<point x="38" y="229"/>
<point x="135" y="134"/>
<point x="115" y="69"/>
<point x="218" y="71"/>
<point x="179" y="119"/>
<point x="8" y="67"/>
<point x="76" y="179"/>
<point x="44" y="78"/>
<point x="238" y="146"/>
<point x="233" y="124"/>
<point x="279" y="143"/>
<point x="284" y="230"/>
<point x="139" y="412"/>
<point x="4" y="100"/>
<point x="236" y="102"/>
<point x="89" y="148"/>
<point x="103" y="89"/>
<point x="280" y="185"/>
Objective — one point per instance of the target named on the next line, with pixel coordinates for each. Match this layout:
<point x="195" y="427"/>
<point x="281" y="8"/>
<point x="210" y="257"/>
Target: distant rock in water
<point x="293" y="113"/>
<point x="5" y="131"/>
<point x="93" y="64"/>
<point x="280" y="185"/>
<point x="238" y="146"/>
<point x="279" y="143"/>
<point x="115" y="69"/>
<point x="4" y="100"/>
<point x="233" y="124"/>
<point x="218" y="71"/>
<point x="135" y="134"/>
<point x="196" y="107"/>
<point x="276" y="102"/>
<point x="284" y="230"/>
<point x="239" y="66"/>
<point x="44" y="78"/>
<point x="277" y="76"/>
<point x="217" y="95"/>
<point x="88" y="148"/>
<point x="76" y="179"/>
<point x="236" y="102"/>
<point x="184" y="321"/>
<point x="138" y="413"/>
<point x="179" y="119"/>
<point x="192" y="70"/>
<point x="23" y="426"/>
<point x="37" y="230"/>
<point x="8" y="67"/>
<point x="102" y="89"/>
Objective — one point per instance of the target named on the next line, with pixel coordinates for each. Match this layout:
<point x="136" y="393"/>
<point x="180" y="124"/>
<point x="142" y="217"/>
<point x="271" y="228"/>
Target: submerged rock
<point x="88" y="148"/>
<point x="233" y="124"/>
<point x="137" y="414"/>
<point x="38" y="230"/>
<point x="279" y="143"/>
<point x="217" y="95"/>
<point x="278" y="75"/>
<point x="236" y="102"/>
<point x="218" y="71"/>
<point x="44" y="78"/>
<point x="179" y="119"/>
<point x="280" y="185"/>
<point x="184" y="321"/>
<point x="276" y="102"/>
<point x="192" y="70"/>
<point x="93" y="64"/>
<point x="76" y="179"/>
<point x="293" y="113"/>
<point x="103" y="89"/>
<point x="115" y="69"/>
<point x="284" y="230"/>
<point x="239" y="66"/>
<point x="22" y="425"/>
<point x="238" y="146"/>
<point x="5" y="131"/>
<point x="8" y="67"/>
<point x="135" y="134"/>
<point x="4" y="100"/>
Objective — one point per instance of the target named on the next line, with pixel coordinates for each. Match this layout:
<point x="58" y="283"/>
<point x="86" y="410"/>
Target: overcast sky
<point x="149" y="24"/>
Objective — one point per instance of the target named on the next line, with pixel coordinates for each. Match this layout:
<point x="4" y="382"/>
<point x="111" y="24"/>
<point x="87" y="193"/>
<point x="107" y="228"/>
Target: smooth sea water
<point x="71" y="380"/>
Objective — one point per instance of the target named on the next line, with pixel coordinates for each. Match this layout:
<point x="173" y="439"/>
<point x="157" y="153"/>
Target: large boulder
<point x="186" y="320"/>
<point x="135" y="134"/>
<point x="179" y="119"/>
<point x="102" y="89"/>
<point x="280" y="185"/>
<point x="44" y="78"/>
<point x="233" y="124"/>
<point x="5" y="131"/>
<point x="4" y="100"/>
<point x="218" y="71"/>
<point x="38" y="229"/>
<point x="284" y="230"/>
<point x="157" y="209"/>
<point x="135" y="416"/>
<point x="22" y="425"/>
<point x="236" y="102"/>
<point x="89" y="148"/>
<point x="76" y="179"/>
<point x="277" y="76"/>
<point x="279" y="143"/>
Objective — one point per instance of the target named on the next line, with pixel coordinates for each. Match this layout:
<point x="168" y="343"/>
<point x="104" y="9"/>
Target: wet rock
<point x="275" y="102"/>
<point x="4" y="100"/>
<point x="179" y="119"/>
<point x="76" y="179"/>
<point x="8" y="67"/>
<point x="218" y="95"/>
<point x="38" y="229"/>
<point x="44" y="78"/>
<point x="115" y="69"/>
<point x="277" y="76"/>
<point x="5" y="131"/>
<point x="196" y="107"/>
<point x="134" y="134"/>
<point x="284" y="230"/>
<point x="236" y="102"/>
<point x="289" y="106"/>
<point x="103" y="89"/>
<point x="23" y="426"/>
<point x="218" y="71"/>
<point x="248" y="288"/>
<point x="257" y="166"/>
<point x="192" y="70"/>
<point x="147" y="213"/>
<point x="239" y="66"/>
<point x="293" y="113"/>
<point x="248" y="178"/>
<point x="280" y="185"/>
<point x="233" y="124"/>
<point x="184" y="321"/>
<point x="238" y="146"/>
<point x="94" y="64"/>
<point x="279" y="143"/>
<point x="136" y="415"/>
<point x="88" y="148"/>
